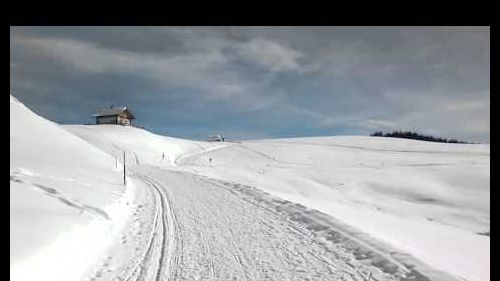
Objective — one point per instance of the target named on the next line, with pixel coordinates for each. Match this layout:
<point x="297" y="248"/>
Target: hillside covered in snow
<point x="63" y="191"/>
<point x="431" y="200"/>
<point x="345" y="207"/>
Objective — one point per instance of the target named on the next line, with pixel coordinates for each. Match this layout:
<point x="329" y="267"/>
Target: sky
<point x="260" y="82"/>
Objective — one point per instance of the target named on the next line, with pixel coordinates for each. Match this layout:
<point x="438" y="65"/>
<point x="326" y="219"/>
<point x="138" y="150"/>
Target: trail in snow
<point x="202" y="150"/>
<point x="207" y="229"/>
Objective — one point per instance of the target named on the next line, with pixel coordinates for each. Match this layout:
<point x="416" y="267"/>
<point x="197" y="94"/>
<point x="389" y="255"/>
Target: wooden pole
<point x="124" y="179"/>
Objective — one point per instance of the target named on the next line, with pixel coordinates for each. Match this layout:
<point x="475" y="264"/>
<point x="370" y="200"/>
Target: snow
<point x="142" y="147"/>
<point x="190" y="208"/>
<point x="428" y="199"/>
<point x="219" y="230"/>
<point x="63" y="192"/>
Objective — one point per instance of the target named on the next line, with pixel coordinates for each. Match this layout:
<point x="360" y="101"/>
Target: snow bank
<point x="431" y="200"/>
<point x="65" y="199"/>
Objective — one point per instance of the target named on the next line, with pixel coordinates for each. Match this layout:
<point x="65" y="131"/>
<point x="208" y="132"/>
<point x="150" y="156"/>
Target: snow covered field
<point x="352" y="208"/>
<point x="428" y="199"/>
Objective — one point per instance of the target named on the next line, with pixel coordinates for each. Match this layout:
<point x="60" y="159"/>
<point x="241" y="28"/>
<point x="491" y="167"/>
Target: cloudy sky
<point x="260" y="82"/>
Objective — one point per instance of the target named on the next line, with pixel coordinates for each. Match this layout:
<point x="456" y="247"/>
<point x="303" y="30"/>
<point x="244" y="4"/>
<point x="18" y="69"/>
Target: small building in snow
<point x="219" y="137"/>
<point x="117" y="116"/>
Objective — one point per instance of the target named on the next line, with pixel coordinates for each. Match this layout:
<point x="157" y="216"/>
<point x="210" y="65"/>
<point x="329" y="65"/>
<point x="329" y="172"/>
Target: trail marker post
<point x="124" y="179"/>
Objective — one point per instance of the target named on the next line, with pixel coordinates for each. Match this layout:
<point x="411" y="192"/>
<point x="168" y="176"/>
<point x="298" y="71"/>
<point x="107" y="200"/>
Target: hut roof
<point x="114" y="111"/>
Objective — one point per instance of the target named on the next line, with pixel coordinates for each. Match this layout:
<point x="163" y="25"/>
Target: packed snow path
<point x="207" y="229"/>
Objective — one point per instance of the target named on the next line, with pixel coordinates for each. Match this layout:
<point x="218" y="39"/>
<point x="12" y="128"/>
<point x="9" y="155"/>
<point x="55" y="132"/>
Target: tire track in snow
<point x="361" y="251"/>
<point x="163" y="257"/>
<point x="209" y="229"/>
<point x="140" y="270"/>
<point x="236" y="235"/>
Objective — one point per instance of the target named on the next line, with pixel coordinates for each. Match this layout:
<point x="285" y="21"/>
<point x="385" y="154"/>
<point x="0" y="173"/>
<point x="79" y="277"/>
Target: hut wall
<point x="106" y="120"/>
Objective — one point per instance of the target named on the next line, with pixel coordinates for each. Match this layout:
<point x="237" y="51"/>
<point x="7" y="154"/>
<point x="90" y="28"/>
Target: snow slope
<point x="63" y="191"/>
<point x="141" y="146"/>
<point x="431" y="200"/>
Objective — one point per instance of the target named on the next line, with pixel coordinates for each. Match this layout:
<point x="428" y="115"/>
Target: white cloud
<point x="208" y="70"/>
<point x="267" y="53"/>
<point x="203" y="71"/>
<point x="270" y="55"/>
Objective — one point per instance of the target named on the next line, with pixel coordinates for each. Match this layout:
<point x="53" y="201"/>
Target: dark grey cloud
<point x="256" y="82"/>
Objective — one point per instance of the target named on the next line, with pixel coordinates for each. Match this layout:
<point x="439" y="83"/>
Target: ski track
<point x="208" y="229"/>
<point x="164" y="240"/>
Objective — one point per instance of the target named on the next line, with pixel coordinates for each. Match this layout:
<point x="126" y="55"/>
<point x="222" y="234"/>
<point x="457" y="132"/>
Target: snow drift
<point x="66" y="199"/>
